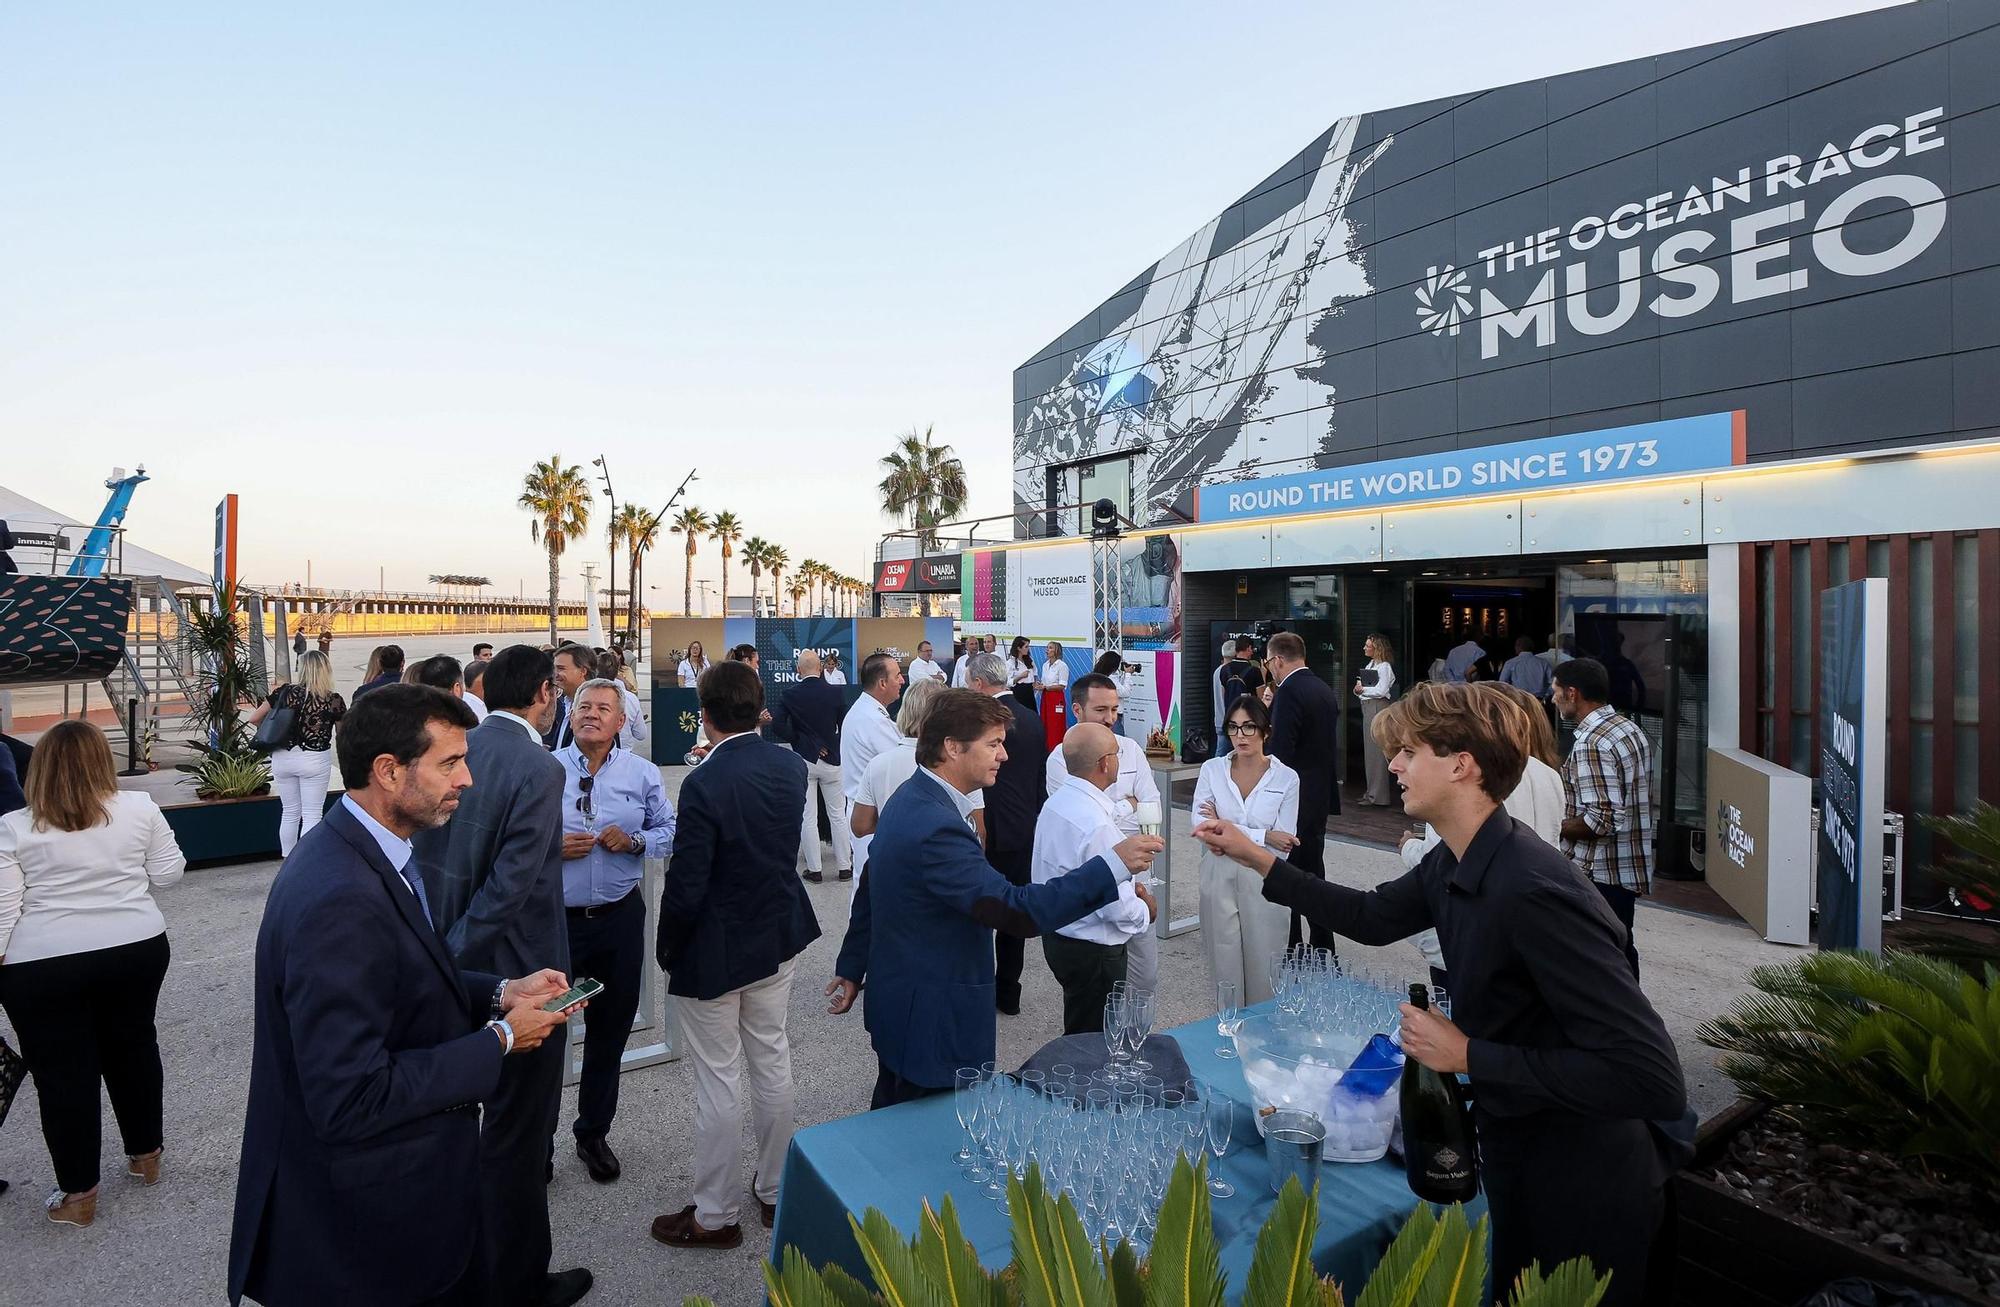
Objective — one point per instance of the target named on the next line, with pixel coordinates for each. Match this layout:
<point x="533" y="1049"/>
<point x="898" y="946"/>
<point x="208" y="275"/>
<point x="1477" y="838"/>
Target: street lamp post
<point x="661" y="516"/>
<point x="611" y="536"/>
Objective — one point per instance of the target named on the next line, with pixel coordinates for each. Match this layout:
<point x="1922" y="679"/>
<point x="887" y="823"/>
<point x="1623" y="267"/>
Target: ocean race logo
<point x="1635" y="259"/>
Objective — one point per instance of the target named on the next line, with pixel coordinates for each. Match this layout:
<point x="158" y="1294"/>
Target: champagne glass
<point x="1114" y="1037"/>
<point x="1150" y="817"/>
<point x="1138" y="1025"/>
<point x="965" y="1098"/>
<point x="1220" y="1116"/>
<point x="1226" y="1016"/>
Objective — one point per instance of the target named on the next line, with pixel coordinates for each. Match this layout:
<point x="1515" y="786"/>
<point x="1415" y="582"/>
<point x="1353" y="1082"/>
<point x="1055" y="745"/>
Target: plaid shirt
<point x="1607" y="774"/>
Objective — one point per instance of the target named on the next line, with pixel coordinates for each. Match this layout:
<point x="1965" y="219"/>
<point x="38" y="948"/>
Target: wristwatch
<point x="499" y="998"/>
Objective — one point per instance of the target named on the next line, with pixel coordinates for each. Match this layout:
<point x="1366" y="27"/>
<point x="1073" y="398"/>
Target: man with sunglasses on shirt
<point x="615" y="816"/>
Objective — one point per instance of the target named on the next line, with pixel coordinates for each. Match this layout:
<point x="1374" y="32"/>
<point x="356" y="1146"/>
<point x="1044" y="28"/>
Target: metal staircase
<point x="153" y="669"/>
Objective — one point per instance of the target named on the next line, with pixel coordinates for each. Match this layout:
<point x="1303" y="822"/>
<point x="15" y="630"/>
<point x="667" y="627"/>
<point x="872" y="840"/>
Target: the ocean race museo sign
<point x="1650" y="449"/>
<point x="1745" y="232"/>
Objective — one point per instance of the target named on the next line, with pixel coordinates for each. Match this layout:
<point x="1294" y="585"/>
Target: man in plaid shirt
<point x="1607" y="830"/>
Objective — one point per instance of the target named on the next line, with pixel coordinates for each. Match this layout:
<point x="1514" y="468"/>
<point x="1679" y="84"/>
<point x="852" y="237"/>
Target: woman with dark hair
<point x="83" y="949"/>
<point x="1250" y="789"/>
<point x="1021" y="670"/>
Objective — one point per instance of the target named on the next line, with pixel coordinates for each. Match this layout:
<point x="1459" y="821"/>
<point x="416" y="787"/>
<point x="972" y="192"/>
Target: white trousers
<point x="825" y="777"/>
<point x="300" y="777"/>
<point x="1240" y="928"/>
<point x="746" y="1025"/>
<point x="1142" y="960"/>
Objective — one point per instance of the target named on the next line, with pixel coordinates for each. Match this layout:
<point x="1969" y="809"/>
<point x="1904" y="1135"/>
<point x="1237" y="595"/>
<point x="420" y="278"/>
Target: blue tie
<point x="416" y="884"/>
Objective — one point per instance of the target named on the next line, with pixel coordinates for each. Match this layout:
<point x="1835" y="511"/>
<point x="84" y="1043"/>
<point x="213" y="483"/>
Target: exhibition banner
<point x="1055" y="594"/>
<point x="932" y="574"/>
<point x="672" y="637"/>
<point x="1853" y="704"/>
<point x="780" y="640"/>
<point x="1648" y="449"/>
<point x="1153" y="699"/>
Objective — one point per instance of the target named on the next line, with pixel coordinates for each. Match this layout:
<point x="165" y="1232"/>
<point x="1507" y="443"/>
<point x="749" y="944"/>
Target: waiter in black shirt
<point x="1305" y="719"/>
<point x="1568" y="1061"/>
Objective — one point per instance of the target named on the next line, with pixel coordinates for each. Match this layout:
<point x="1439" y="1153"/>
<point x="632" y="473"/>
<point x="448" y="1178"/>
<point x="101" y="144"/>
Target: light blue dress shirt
<point x="395" y="848"/>
<point x="626" y="792"/>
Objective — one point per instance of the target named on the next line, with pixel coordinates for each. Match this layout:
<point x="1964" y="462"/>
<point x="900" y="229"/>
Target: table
<point x="895" y="1158"/>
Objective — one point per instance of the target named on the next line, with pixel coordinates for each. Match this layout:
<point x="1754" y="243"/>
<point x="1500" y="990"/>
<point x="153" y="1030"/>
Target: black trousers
<point x="1086" y="972"/>
<point x="86" y="1018"/>
<point x="1310" y="857"/>
<point x="891" y="1089"/>
<point x="1561" y="1186"/>
<point x="1623" y="901"/>
<point x="1009" y="951"/>
<point x="514" y="1142"/>
<point x="609" y="946"/>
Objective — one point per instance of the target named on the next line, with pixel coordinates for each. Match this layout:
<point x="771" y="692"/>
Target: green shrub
<point x="1899" y="1053"/>
<point x="1437" y="1259"/>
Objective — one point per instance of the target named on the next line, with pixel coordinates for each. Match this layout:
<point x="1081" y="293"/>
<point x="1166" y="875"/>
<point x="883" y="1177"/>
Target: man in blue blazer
<point x="920" y="935"/>
<point x="733" y="916"/>
<point x="359" y="1179"/>
<point x="808" y="718"/>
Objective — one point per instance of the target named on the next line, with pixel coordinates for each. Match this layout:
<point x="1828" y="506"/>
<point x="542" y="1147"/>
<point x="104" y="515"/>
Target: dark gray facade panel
<point x="1804" y="225"/>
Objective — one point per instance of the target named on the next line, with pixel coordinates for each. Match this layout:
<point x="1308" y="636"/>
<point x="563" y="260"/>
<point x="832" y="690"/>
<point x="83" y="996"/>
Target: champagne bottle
<point x="1439" y="1152"/>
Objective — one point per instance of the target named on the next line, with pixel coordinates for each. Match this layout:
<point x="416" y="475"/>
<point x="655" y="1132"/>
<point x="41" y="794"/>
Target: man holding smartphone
<point x="359" y="1179"/>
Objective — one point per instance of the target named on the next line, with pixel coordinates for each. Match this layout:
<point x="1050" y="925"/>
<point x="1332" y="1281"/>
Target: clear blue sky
<point x="363" y="263"/>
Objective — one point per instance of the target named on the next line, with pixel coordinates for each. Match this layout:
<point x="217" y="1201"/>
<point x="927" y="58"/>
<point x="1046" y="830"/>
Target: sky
<point x="364" y="264"/>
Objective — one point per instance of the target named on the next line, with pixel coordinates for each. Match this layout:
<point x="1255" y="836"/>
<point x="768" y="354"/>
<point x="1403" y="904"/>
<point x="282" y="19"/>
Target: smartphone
<point x="584" y="988"/>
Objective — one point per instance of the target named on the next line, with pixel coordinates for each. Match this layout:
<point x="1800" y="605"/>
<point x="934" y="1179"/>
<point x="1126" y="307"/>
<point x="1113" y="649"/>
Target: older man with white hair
<point x="1078" y="823"/>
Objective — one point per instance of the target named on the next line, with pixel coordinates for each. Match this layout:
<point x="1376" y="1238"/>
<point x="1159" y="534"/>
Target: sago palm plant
<point x="1437" y="1260"/>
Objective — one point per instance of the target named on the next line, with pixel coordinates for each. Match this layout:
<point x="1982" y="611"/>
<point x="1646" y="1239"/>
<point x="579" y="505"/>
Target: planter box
<point x="1733" y="1251"/>
<point x="225" y="830"/>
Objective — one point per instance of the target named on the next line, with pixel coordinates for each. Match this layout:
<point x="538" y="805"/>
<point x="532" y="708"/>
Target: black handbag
<point x="13" y="1070"/>
<point x="278" y="727"/>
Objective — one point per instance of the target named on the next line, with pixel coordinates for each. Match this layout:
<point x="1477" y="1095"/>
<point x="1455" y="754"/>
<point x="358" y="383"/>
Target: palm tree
<point x="727" y="529"/>
<point x="692" y="523"/>
<point x="816" y="574"/>
<point x="797" y="590"/>
<point x="559" y="498"/>
<point x="641" y="529"/>
<point x="777" y="558"/>
<point x="756" y="557"/>
<point x="925" y="483"/>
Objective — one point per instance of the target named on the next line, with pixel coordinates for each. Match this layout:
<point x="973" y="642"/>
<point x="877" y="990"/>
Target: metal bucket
<point x="1294" y="1143"/>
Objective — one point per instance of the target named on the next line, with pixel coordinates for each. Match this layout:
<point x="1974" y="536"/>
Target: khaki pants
<point x="1240" y="928"/>
<point x="824" y="777"/>
<point x="1381" y="786"/>
<point x="746" y="1024"/>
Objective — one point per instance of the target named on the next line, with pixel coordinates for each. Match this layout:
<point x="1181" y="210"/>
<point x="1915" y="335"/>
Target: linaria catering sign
<point x="1788" y="221"/>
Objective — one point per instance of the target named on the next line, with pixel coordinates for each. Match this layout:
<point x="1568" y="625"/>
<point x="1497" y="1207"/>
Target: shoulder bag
<point x="279" y="726"/>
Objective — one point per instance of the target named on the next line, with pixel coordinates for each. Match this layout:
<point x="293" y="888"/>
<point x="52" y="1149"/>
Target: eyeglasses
<point x="1242" y="728"/>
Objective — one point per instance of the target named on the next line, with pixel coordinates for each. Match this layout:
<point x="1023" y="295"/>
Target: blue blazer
<point x="808" y="718"/>
<point x="359" y="1180"/>
<point x="732" y="907"/>
<point x="920" y="936"/>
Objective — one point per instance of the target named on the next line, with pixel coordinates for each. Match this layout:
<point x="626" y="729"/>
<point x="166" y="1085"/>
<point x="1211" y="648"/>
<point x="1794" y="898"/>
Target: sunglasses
<point x="583" y="805"/>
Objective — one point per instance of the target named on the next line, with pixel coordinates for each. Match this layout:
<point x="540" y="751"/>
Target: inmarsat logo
<point x="1443" y="301"/>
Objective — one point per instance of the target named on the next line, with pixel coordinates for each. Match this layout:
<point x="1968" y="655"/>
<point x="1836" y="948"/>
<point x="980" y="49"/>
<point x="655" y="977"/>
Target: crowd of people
<point x="415" y="962"/>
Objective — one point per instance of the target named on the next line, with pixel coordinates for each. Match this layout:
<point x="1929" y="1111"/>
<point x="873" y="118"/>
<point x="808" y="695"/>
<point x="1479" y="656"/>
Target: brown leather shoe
<point x="680" y="1229"/>
<point x="72" y="1209"/>
<point x="145" y="1168"/>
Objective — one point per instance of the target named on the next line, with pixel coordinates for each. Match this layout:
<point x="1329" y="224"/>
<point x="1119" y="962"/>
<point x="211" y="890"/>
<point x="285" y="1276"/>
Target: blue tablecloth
<point x="896" y="1158"/>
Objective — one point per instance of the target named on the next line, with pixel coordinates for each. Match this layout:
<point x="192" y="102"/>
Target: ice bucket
<point x="1293" y="1144"/>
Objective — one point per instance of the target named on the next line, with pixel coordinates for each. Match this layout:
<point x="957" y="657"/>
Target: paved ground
<point x="169" y="1244"/>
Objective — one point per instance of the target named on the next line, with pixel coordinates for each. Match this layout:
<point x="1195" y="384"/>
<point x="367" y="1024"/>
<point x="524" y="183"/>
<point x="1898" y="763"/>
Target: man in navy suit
<point x="1305" y="715"/>
<point x="808" y="718"/>
<point x="1014" y="799"/>
<point x="573" y="668"/>
<point x="733" y="916"/>
<point x="920" y="935"/>
<point x="359" y="1179"/>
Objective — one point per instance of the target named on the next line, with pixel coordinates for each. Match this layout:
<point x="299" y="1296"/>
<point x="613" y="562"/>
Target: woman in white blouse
<point x="693" y="665"/>
<point x="1249" y="788"/>
<point x="1374" y="698"/>
<point x="83" y="949"/>
<point x="1021" y="670"/>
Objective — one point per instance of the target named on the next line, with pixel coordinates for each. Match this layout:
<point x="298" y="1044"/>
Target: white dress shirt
<point x="1385" y="682"/>
<point x="1076" y="825"/>
<point x="1055" y="672"/>
<point x="1020" y="671"/>
<point x="634" y="729"/>
<point x="890" y="769"/>
<point x="507" y="714"/>
<point x="866" y="731"/>
<point x="834" y="676"/>
<point x="924" y="669"/>
<point x="1272" y="804"/>
<point x="958" y="670"/>
<point x="1135" y="784"/>
<point x="477" y="704"/>
<point x="688" y="673"/>
<point x="65" y="892"/>
<point x="959" y="798"/>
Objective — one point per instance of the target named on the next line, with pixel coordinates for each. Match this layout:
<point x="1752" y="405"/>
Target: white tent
<point x="24" y="514"/>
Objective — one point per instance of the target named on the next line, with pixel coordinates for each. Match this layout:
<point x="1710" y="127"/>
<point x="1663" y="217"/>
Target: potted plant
<point x="1436" y="1258"/>
<point x="1868" y="1141"/>
<point x="234" y="814"/>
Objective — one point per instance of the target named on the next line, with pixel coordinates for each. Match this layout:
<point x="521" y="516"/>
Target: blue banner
<point x="1648" y="449"/>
